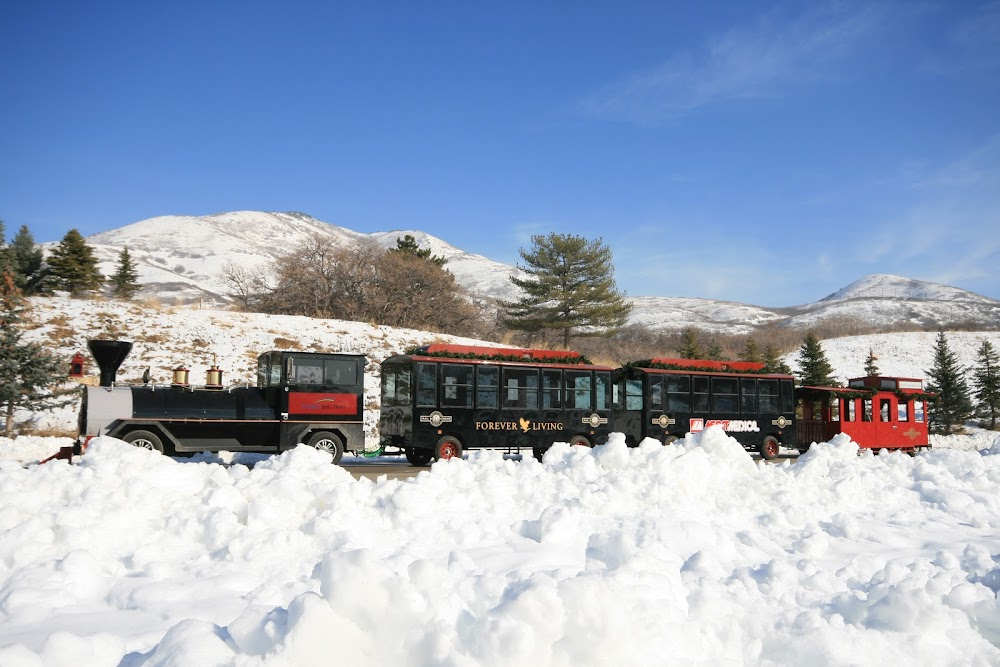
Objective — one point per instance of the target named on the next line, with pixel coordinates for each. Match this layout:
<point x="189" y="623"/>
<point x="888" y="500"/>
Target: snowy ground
<point x="691" y="554"/>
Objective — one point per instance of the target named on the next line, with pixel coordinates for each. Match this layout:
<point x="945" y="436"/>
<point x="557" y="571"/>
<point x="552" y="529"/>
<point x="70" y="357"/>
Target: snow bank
<point x="690" y="553"/>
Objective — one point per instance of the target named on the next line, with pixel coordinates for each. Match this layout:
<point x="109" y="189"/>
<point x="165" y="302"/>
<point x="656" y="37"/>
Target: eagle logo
<point x="525" y="424"/>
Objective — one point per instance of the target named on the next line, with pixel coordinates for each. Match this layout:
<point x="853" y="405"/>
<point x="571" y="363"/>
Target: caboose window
<point x="834" y="409"/>
<point x="724" y="395"/>
<point x="866" y="413"/>
<point x="487" y="386"/>
<point x="850" y="410"/>
<point x="903" y="411"/>
<point x="456" y="383"/>
<point x="918" y="411"/>
<point x="883" y="410"/>
<point x="426" y="385"/>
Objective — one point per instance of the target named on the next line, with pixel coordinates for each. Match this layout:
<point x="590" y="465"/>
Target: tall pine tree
<point x="814" y="368"/>
<point x="30" y="376"/>
<point x="986" y="383"/>
<point x="689" y="347"/>
<point x="26" y="260"/>
<point x="750" y="351"/>
<point x="124" y="281"/>
<point x="73" y="266"/>
<point x="772" y="361"/>
<point x="570" y="287"/>
<point x="952" y="405"/>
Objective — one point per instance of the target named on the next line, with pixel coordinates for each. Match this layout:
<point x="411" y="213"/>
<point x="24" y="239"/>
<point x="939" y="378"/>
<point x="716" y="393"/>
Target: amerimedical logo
<point x="698" y="424"/>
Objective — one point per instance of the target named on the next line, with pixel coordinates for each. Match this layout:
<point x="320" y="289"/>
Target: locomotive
<point x="300" y="397"/>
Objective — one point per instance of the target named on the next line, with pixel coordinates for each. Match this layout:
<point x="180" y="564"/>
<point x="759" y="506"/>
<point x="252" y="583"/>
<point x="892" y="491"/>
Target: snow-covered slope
<point x="181" y="258"/>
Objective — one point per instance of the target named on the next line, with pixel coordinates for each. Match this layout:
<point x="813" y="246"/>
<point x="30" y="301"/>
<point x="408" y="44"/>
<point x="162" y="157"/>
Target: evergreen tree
<point x="871" y="368"/>
<point x="952" y="405"/>
<point x="715" y="352"/>
<point x="408" y="245"/>
<point x="5" y="261"/>
<point x="689" y="348"/>
<point x="986" y="383"/>
<point x="773" y="363"/>
<point x="814" y="368"/>
<point x="73" y="266"/>
<point x="570" y="288"/>
<point x="29" y="375"/>
<point x="26" y="261"/>
<point x="750" y="351"/>
<point x="124" y="281"/>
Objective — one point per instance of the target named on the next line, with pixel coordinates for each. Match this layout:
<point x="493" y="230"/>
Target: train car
<point x="300" y="397"/>
<point x="666" y="398"/>
<point x="877" y="412"/>
<point x="441" y="399"/>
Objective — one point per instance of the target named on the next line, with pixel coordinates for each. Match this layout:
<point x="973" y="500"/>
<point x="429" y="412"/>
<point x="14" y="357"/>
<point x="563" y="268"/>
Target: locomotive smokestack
<point x="109" y="355"/>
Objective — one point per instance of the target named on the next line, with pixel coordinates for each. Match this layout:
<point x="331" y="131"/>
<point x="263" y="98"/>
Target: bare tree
<point x="248" y="285"/>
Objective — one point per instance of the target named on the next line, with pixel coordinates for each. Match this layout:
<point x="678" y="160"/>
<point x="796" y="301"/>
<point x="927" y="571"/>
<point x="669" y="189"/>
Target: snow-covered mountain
<point x="181" y="258"/>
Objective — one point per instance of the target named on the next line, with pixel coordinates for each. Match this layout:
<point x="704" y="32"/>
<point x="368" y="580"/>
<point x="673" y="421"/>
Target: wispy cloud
<point x="765" y="59"/>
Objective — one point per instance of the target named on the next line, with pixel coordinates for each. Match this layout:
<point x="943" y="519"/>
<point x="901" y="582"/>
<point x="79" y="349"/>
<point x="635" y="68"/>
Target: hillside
<point x="180" y="259"/>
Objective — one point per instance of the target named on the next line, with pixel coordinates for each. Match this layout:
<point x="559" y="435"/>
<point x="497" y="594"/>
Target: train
<point x="439" y="400"/>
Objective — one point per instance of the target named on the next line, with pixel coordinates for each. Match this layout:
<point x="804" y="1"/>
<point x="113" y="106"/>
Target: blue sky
<point x="768" y="153"/>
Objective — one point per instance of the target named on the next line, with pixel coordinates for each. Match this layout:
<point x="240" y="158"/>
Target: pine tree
<point x="814" y="368"/>
<point x="773" y="362"/>
<point x="124" y="281"/>
<point x="715" y="352"/>
<point x="26" y="261"/>
<point x="5" y="259"/>
<point x="73" y="267"/>
<point x="750" y="351"/>
<point x="986" y="383"/>
<point x="570" y="288"/>
<point x="689" y="348"/>
<point x="29" y="375"/>
<point x="952" y="405"/>
<point x="408" y="245"/>
<point x="871" y="368"/>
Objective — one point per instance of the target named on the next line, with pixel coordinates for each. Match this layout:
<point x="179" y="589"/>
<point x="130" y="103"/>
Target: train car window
<point x="748" y="396"/>
<point x="426" y="385"/>
<point x="274" y="373"/>
<point x="834" y="409"/>
<point x="787" y="396"/>
<point x="903" y="411"/>
<point x="603" y="396"/>
<point x="303" y="372"/>
<point x="552" y="389"/>
<point x="866" y="410"/>
<point x="520" y="388"/>
<point x="918" y="411"/>
<point x="883" y="410"/>
<point x="581" y="386"/>
<point x="340" y="372"/>
<point x="262" y="371"/>
<point x="456" y="385"/>
<point x="488" y="387"/>
<point x="699" y="388"/>
<point x="724" y="395"/>
<point x="403" y="387"/>
<point x="618" y="391"/>
<point x="850" y="410"/>
<point x="633" y="394"/>
<point x="767" y="392"/>
<point x="678" y="393"/>
<point x="654" y="397"/>
<point x="389" y="376"/>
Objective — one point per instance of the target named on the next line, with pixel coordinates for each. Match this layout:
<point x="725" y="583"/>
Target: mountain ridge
<point x="182" y="258"/>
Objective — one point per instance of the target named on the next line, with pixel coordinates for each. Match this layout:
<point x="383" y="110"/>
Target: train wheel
<point x="144" y="440"/>
<point x="325" y="441"/>
<point x="418" y="457"/>
<point x="448" y="448"/>
<point x="769" y="448"/>
<point x="669" y="439"/>
<point x="580" y="441"/>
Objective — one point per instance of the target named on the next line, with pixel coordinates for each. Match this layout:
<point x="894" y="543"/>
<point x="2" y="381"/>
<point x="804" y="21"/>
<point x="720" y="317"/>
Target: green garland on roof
<point x="579" y="360"/>
<point x="648" y="363"/>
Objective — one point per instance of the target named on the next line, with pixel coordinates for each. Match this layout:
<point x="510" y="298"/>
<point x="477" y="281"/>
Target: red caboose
<point x="876" y="412"/>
